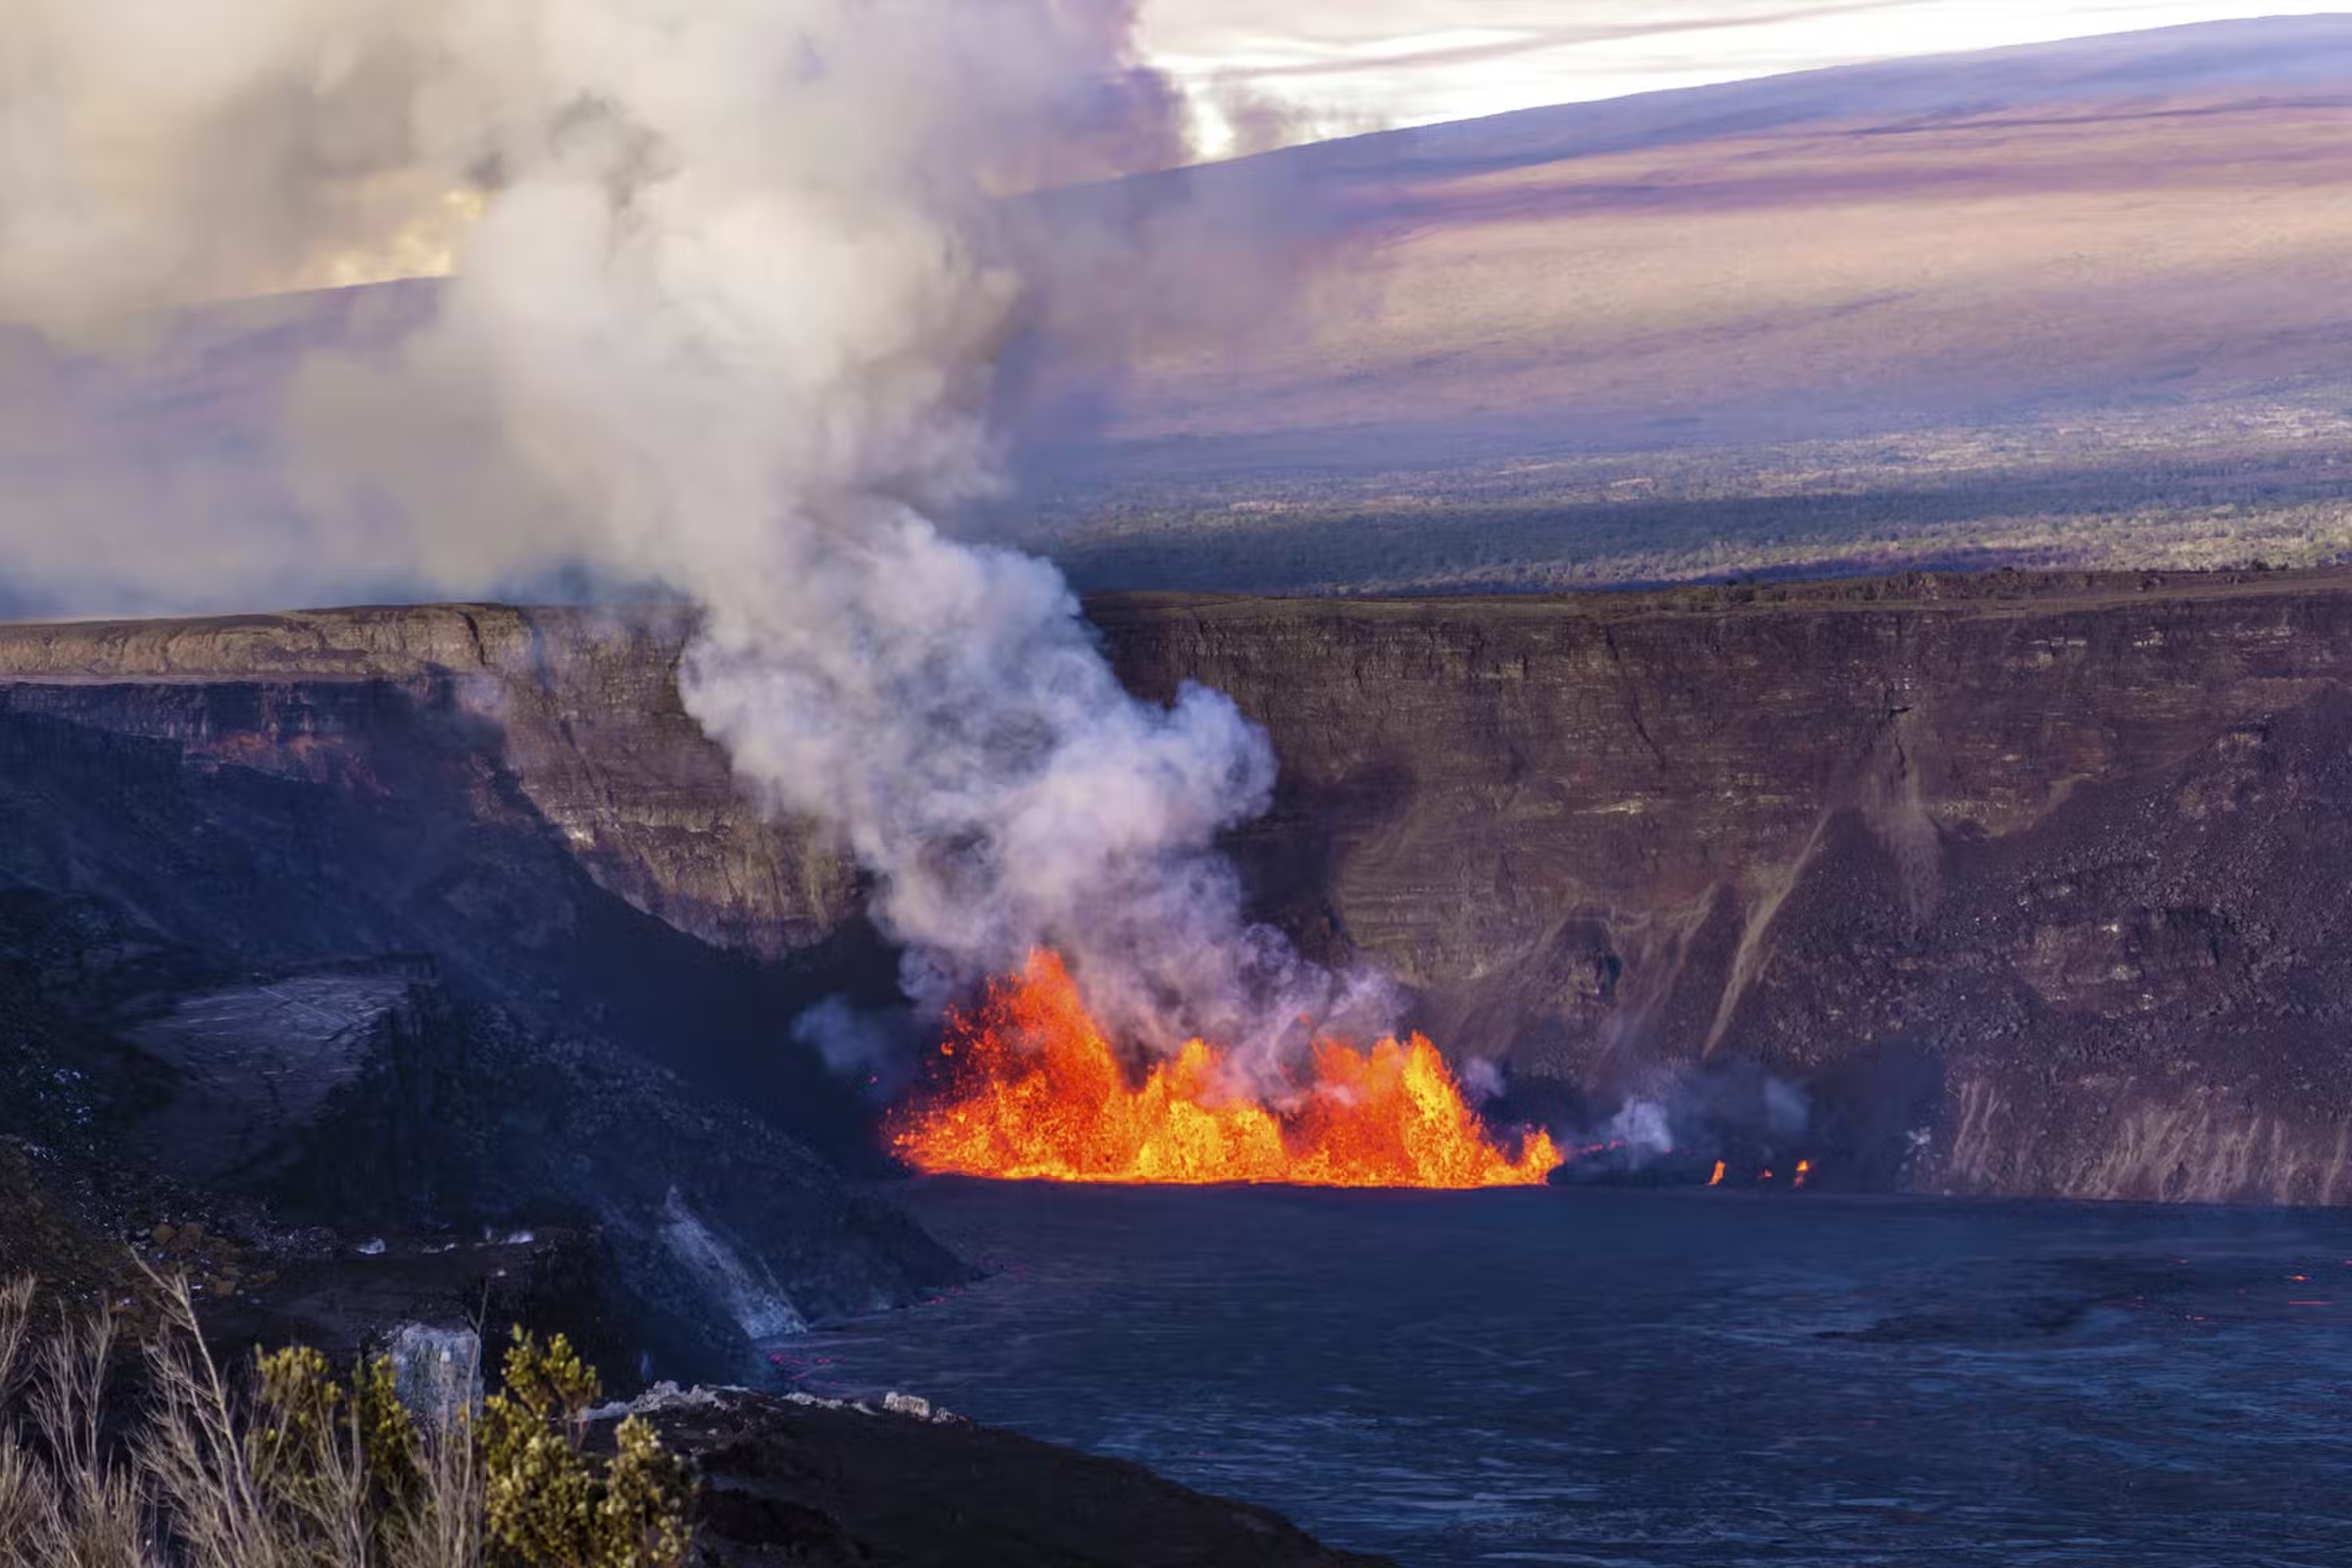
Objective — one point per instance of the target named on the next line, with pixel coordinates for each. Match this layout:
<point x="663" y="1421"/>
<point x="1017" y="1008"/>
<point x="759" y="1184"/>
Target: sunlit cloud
<point x="1335" y="66"/>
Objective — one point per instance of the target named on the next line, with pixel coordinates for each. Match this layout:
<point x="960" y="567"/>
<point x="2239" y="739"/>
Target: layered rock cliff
<point x="2032" y="883"/>
<point x="578" y="714"/>
<point x="2025" y="883"/>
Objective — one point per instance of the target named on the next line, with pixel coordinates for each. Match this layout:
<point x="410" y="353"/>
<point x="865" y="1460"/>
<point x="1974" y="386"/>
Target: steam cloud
<point x="732" y="284"/>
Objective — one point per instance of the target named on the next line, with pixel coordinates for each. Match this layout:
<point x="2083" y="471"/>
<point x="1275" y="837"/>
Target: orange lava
<point x="1030" y="1090"/>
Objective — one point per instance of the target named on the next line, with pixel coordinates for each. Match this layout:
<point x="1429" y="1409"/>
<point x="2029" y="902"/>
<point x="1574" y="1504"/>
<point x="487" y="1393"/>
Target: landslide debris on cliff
<point x="306" y="957"/>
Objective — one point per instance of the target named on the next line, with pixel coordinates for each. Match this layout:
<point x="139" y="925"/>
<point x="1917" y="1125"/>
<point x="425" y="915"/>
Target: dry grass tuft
<point x="282" y="1466"/>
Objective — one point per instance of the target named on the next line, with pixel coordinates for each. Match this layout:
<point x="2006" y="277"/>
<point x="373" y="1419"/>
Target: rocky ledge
<point x="819" y="1482"/>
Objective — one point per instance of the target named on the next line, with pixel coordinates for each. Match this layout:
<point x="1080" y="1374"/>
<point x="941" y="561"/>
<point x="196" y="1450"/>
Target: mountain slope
<point x="2157" y="216"/>
<point x="2080" y="303"/>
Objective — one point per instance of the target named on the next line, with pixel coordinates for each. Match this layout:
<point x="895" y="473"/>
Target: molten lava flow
<point x="1030" y="1090"/>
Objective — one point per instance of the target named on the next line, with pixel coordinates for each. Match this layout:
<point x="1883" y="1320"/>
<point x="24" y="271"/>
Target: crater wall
<point x="2061" y="855"/>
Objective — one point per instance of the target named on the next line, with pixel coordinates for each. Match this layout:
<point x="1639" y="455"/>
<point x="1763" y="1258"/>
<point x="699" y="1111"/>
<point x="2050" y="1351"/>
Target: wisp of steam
<point x="729" y="285"/>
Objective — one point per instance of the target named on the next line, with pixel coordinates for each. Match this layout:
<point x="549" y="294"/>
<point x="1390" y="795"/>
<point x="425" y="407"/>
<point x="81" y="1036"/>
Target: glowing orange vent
<point x="1029" y="1090"/>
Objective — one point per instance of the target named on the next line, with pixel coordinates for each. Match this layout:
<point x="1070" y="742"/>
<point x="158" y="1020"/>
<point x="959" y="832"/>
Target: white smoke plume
<point x="1642" y="1129"/>
<point x="732" y="281"/>
<point x="1483" y="1080"/>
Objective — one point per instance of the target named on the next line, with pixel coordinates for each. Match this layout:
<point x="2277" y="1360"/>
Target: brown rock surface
<point x="2042" y="868"/>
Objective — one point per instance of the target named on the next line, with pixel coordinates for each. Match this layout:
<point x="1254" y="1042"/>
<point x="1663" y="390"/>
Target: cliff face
<point x="2032" y="885"/>
<point x="577" y="712"/>
<point x="2026" y="885"/>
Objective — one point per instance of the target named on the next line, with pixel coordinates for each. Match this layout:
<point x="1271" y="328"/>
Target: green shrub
<point x="290" y="1468"/>
<point x="547" y="1507"/>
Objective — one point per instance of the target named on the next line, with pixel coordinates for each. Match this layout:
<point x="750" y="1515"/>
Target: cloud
<point x="1411" y="61"/>
<point x="1545" y="39"/>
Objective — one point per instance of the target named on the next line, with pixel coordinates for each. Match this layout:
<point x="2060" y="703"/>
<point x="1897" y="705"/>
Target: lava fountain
<point x="1027" y="1088"/>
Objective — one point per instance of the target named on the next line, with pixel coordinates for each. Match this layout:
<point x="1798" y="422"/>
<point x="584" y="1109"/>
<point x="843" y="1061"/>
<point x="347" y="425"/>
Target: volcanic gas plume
<point x="731" y="283"/>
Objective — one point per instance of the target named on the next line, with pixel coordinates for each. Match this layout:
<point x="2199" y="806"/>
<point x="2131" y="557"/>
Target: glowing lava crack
<point x="1029" y="1090"/>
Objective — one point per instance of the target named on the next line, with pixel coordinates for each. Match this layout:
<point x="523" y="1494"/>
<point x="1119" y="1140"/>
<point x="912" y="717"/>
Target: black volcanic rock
<point x="708" y="1227"/>
<point x="821" y="1484"/>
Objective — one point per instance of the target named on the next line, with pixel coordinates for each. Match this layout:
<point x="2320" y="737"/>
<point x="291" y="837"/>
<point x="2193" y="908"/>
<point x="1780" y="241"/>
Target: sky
<point x="1334" y="67"/>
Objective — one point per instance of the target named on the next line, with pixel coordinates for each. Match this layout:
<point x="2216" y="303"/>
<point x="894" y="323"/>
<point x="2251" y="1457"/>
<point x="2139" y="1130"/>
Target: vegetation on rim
<point x="2177" y="489"/>
<point x="288" y="1467"/>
